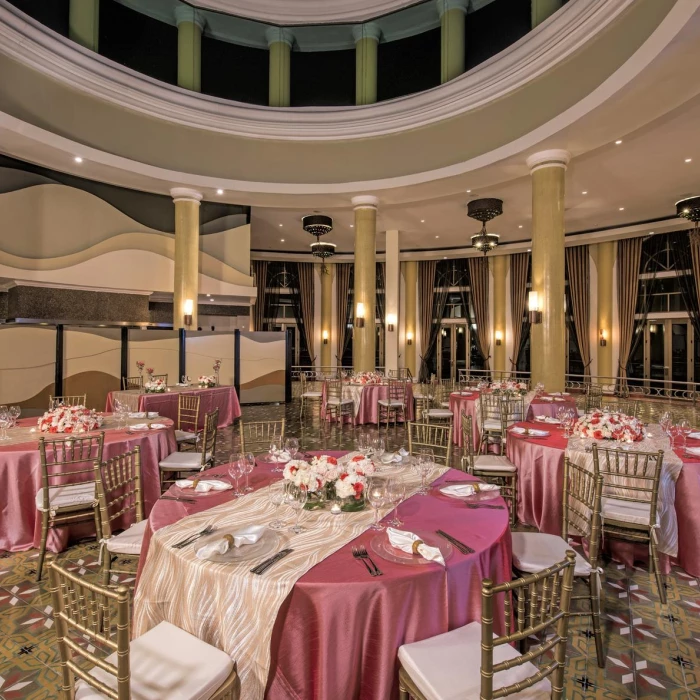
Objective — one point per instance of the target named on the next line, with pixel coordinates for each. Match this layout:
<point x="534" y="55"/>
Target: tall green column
<point x="190" y="24"/>
<point x="366" y="44"/>
<point x="452" y="60"/>
<point x="84" y="23"/>
<point x="280" y="42"/>
<point x="542" y="9"/>
<point x="186" y="273"/>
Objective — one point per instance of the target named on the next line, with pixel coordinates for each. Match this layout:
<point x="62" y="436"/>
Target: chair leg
<point x="654" y="559"/>
<point x="42" y="548"/>
<point x="301" y="410"/>
<point x="594" y="585"/>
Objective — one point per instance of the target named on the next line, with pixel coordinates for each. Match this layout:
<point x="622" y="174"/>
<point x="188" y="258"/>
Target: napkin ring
<point x="476" y="486"/>
<point x="229" y="539"/>
<point x="416" y="544"/>
<point x="194" y="484"/>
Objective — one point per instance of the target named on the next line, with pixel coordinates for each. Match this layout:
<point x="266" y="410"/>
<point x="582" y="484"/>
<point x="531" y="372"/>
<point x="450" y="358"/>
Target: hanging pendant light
<point x="484" y="210"/>
<point x="317" y="224"/>
<point x="322" y="250"/>
<point x="689" y="208"/>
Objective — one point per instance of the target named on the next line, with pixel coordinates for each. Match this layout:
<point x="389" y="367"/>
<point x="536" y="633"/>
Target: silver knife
<point x="264" y="566"/>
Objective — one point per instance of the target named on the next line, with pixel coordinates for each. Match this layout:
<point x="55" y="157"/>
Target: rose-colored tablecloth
<point x="338" y="633"/>
<point x="540" y="407"/>
<point x="469" y="405"/>
<point x="222" y="397"/>
<point x="540" y="463"/>
<point x="367" y="409"/>
<point x="20" y="479"/>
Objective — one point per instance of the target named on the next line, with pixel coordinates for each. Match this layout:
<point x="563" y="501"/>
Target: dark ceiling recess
<point x="323" y="78"/>
<point x="495" y="27"/>
<point x="52" y="13"/>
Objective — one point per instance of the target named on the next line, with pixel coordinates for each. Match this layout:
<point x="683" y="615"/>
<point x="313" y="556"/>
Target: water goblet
<point x="376" y="497"/>
<point x="183" y="379"/>
<point x="378" y="447"/>
<point x="5" y="421"/>
<point x="249" y="462"/>
<point x="426" y="459"/>
<point x="296" y="497"/>
<point x="15" y="412"/>
<point x="235" y="471"/>
<point x="277" y="496"/>
<point x="274" y="452"/>
<point x="362" y="443"/>
<point x="291" y="445"/>
<point x="396" y="490"/>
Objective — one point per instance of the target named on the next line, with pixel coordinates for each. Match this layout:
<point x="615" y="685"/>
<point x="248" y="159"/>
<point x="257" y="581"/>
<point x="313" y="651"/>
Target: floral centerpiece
<point x="139" y="366"/>
<point x="509" y="388"/>
<point x="600" y="425"/>
<point x="366" y="378"/>
<point x="324" y="478"/>
<point x="155" y="386"/>
<point x="217" y="368"/>
<point x="206" y="381"/>
<point x="69" y="419"/>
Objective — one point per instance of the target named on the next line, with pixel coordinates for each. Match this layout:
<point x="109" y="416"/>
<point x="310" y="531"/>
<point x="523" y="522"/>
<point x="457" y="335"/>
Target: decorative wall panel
<point x="262" y="367"/>
<point x="203" y="348"/>
<point x="157" y="349"/>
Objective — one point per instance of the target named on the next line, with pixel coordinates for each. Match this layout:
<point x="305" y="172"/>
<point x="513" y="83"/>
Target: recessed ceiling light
<point x="584" y="192"/>
<point x="469" y="191"/>
<point x="437" y="236"/>
<point x="618" y="142"/>
<point x="219" y="191"/>
<point x="651" y="233"/>
<point x="212" y="299"/>
<point x="78" y="159"/>
<point x="281" y="240"/>
<point x="281" y="225"/>
<point x="422" y="221"/>
<point x="445" y="258"/>
<point x="352" y="225"/>
<point x="529" y="250"/>
<point x="688" y="160"/>
<point x="520" y="225"/>
<point x="622" y="209"/>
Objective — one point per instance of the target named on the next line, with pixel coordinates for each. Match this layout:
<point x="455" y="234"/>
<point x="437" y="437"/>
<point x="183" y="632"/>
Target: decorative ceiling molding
<point x="34" y="45"/>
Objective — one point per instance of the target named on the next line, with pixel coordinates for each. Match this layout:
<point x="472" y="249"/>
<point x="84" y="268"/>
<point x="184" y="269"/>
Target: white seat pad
<point x="447" y="667"/>
<point x="392" y="402"/>
<point x="494" y="463"/>
<point x="72" y="496"/>
<point x="184" y="436"/>
<point x="337" y="402"/>
<point x="439" y="413"/>
<point x="445" y="404"/>
<point x="625" y="511"/>
<point x="312" y="394"/>
<point x="129" y="541"/>
<point x="534" y="551"/>
<point x="179" y="461"/>
<point x="166" y="663"/>
<point x="492" y="424"/>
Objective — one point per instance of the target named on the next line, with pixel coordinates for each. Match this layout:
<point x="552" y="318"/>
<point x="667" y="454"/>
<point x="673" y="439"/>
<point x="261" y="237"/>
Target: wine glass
<point x="426" y="459"/>
<point x="274" y="452"/>
<point x="249" y="464"/>
<point x="378" y="447"/>
<point x="15" y="412"/>
<point x="291" y="445"/>
<point x="236" y="471"/>
<point x="376" y="497"/>
<point x="561" y="414"/>
<point x="362" y="443"/>
<point x="277" y="496"/>
<point x="665" y="422"/>
<point x="296" y="497"/>
<point x="396" y="493"/>
<point x="5" y="421"/>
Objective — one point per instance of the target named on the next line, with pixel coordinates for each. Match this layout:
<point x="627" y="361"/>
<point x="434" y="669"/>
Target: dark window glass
<point x="322" y="78"/>
<point x="493" y="28"/>
<point x="52" y="13"/>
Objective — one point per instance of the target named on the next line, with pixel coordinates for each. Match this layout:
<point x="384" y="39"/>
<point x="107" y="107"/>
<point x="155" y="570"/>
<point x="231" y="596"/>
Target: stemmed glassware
<point x="291" y="445"/>
<point x="275" y="449"/>
<point x="5" y="420"/>
<point x="249" y="464"/>
<point x="665" y="422"/>
<point x="376" y="497"/>
<point x="15" y="412"/>
<point x="236" y="470"/>
<point x="396" y="493"/>
<point x="426" y="459"/>
<point x="296" y="498"/>
<point x="277" y="495"/>
<point x="363" y="444"/>
<point x="378" y="447"/>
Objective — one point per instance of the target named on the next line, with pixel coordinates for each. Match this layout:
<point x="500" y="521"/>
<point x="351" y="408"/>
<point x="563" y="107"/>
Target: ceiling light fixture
<point x="219" y="191"/>
<point x="688" y="160"/>
<point x="281" y="240"/>
<point x="689" y="208"/>
<point x="317" y="224"/>
<point x="622" y="209"/>
<point x="78" y="159"/>
<point x="484" y="210"/>
<point x="584" y="192"/>
<point x="618" y="142"/>
<point x="520" y="225"/>
<point x="322" y="250"/>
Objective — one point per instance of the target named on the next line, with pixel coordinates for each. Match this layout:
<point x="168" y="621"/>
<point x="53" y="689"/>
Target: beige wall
<point x="262" y="365"/>
<point x="203" y="348"/>
<point x="158" y="349"/>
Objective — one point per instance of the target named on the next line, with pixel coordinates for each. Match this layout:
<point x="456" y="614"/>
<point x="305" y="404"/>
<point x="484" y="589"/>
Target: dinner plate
<point x="474" y="498"/>
<point x="267" y="545"/>
<point x="381" y="546"/>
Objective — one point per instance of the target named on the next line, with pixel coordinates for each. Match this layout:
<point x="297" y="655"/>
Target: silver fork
<point x="359" y="557"/>
<point x="189" y="540"/>
<point x="365" y="555"/>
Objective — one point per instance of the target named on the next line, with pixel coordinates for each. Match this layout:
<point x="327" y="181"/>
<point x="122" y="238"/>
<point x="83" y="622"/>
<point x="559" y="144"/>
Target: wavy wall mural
<point x="262" y="367"/>
<point x="203" y="348"/>
<point x="157" y="349"/>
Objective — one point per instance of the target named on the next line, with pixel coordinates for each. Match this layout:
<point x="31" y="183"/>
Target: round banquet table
<point x="166" y="404"/>
<point x="365" y="397"/>
<point x="20" y="479"/>
<point x="338" y="631"/>
<point x="540" y="464"/>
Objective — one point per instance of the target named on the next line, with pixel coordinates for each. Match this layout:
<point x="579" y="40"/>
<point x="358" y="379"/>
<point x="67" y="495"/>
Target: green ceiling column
<point x="280" y="42"/>
<point x="542" y="9"/>
<point x="190" y="23"/>
<point x="84" y="22"/>
<point x="366" y="44"/>
<point x="452" y="14"/>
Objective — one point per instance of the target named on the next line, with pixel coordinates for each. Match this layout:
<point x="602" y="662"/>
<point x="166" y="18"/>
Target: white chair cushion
<point x="339" y="402"/>
<point x="492" y="424"/>
<point x="439" y="413"/>
<point x="185" y="436"/>
<point x="312" y="395"/>
<point x="445" y="404"/>
<point x="625" y="511"/>
<point x="179" y="461"/>
<point x="534" y="551"/>
<point x="494" y="463"/>
<point x="388" y="402"/>
<point x="166" y="663"/>
<point x="447" y="667"/>
<point x="129" y="541"/>
<point x="70" y="496"/>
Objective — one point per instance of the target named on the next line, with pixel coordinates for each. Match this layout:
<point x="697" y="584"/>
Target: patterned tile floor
<point x="653" y="651"/>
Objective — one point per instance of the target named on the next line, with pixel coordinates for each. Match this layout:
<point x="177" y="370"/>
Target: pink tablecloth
<point x="540" y="464"/>
<point x="538" y="407"/>
<point x="460" y="403"/>
<point x="20" y="479"/>
<point x="367" y="411"/>
<point x="338" y="633"/>
<point x="222" y="397"/>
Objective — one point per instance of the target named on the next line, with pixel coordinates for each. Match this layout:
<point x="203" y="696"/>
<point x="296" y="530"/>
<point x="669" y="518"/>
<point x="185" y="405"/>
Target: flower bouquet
<point x="155" y="386"/>
<point x="206" y="381"/>
<point x="509" y="388"/>
<point x="366" y="378"/>
<point x="69" y="419"/>
<point x="139" y="366"/>
<point x="217" y="369"/>
<point x="600" y="425"/>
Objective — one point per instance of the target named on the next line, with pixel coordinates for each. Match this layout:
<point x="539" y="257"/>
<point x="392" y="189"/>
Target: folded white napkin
<point x="181" y="384"/>
<point x="546" y="398"/>
<point x="247" y="535"/>
<point x="466" y="393"/>
<point x="467" y="489"/>
<point x="403" y="452"/>
<point x="548" y="419"/>
<point x="403" y="540"/>
<point x="555" y="393"/>
<point x="694" y="436"/>
<point x="390" y="458"/>
<point x="559" y="398"/>
<point x="153" y="414"/>
<point x="531" y="431"/>
<point x="158" y="426"/>
<point x="693" y="450"/>
<point x="204" y="485"/>
<point x="138" y="414"/>
<point x="139" y="426"/>
<point x="282" y="456"/>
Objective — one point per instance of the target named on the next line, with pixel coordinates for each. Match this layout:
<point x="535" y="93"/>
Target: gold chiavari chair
<point x="178" y="463"/>
<point x="255" y="436"/>
<point x="580" y="518"/>
<point x="438" y="438"/>
<point x="156" y="377"/>
<point x="67" y="493"/>
<point x="394" y="404"/>
<point x="630" y="499"/>
<point x="132" y="383"/>
<point x="309" y="394"/>
<point x="338" y="406"/>
<point x="75" y="400"/>
<point x="470" y="662"/>
<point x="422" y="398"/>
<point x="494" y="469"/>
<point x="629" y="407"/>
<point x="491" y="420"/>
<point x="594" y="397"/>
<point x="92" y="626"/>
<point x="187" y="419"/>
<point x="400" y="373"/>
<point x="439" y="404"/>
<point x="119" y="493"/>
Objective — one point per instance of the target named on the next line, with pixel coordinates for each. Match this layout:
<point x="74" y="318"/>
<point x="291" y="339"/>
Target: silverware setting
<point x="178" y="498"/>
<point x="189" y="540"/>
<point x="360" y="552"/>
<point x="463" y="548"/>
<point x="473" y="506"/>
<point x="265" y="565"/>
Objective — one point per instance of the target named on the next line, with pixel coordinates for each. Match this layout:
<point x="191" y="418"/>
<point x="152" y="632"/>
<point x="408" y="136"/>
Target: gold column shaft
<point x="186" y="277"/>
<point x="280" y="74"/>
<point x="410" y="275"/>
<point x="607" y="252"/>
<point x="542" y="9"/>
<point x="452" y="44"/>
<point x="189" y="56"/>
<point x="326" y="313"/>
<point x="84" y="23"/>
<point x="366" y="70"/>
<point x="499" y="269"/>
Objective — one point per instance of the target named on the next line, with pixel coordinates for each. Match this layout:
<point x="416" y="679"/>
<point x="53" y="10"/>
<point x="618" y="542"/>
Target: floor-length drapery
<point x="519" y="265"/>
<point x="342" y="289"/>
<point x="426" y="292"/>
<point x="479" y="285"/>
<point x="578" y="268"/>
<point x="306" y="295"/>
<point x="685" y="251"/>
<point x="260" y="274"/>
<point x="629" y="255"/>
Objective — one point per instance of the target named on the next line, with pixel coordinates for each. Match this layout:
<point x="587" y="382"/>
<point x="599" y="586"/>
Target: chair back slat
<point x="211" y="430"/>
<point x="119" y="489"/>
<point x="255" y="436"/>
<point x="334" y="389"/>
<point x="467" y="441"/>
<point x="132" y="382"/>
<point x="67" y="400"/>
<point x="628" y="407"/>
<point x="490" y="406"/>
<point x="397" y="390"/>
<point x="433" y="436"/>
<point x="188" y="412"/>
<point x="162" y="377"/>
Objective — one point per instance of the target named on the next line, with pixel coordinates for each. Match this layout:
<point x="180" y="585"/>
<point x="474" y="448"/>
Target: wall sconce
<point x="360" y="315"/>
<point x="409" y="338"/>
<point x="535" y="313"/>
<point x="499" y="337"/>
<point x="188" y="308"/>
<point x="325" y="337"/>
<point x="390" y="322"/>
<point x="603" y="338"/>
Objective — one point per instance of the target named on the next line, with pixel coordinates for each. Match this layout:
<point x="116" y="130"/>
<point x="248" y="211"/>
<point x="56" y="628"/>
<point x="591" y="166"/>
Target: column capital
<point x="185" y="13"/>
<point x="276" y="35"/>
<point x="447" y="5"/>
<point x="185" y="194"/>
<point x="553" y="158"/>
<point x="365" y="201"/>
<point x="369" y="30"/>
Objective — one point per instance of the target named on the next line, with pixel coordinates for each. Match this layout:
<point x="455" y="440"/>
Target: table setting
<point x="365" y="395"/>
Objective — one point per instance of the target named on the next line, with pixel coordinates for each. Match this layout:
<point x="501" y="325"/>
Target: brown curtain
<point x="342" y="289"/>
<point x="629" y="256"/>
<point x="479" y="286"/>
<point x="306" y="297"/>
<point x="579" y="283"/>
<point x="519" y="264"/>
<point x="426" y="292"/>
<point x="260" y="273"/>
